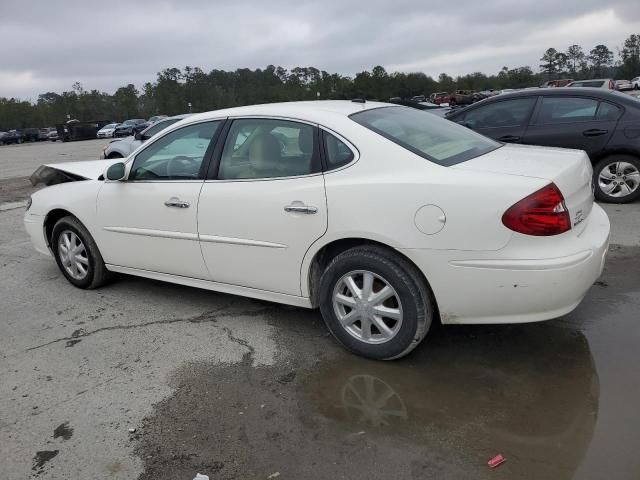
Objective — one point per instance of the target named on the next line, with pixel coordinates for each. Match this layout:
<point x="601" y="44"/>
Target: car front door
<point x="149" y="221"/>
<point x="264" y="204"/>
<point x="503" y="120"/>
<point x="573" y="122"/>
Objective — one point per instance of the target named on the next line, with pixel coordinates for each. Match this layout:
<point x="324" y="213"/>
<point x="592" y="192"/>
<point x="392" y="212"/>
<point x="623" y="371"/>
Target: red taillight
<point x="542" y="213"/>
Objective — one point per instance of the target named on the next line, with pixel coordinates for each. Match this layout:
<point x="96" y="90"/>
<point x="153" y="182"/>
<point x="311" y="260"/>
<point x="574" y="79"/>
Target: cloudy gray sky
<point x="49" y="45"/>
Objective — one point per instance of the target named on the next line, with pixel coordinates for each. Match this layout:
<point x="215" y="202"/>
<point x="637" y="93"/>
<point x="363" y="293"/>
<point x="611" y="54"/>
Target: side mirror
<point x="116" y="172"/>
<point x="465" y="124"/>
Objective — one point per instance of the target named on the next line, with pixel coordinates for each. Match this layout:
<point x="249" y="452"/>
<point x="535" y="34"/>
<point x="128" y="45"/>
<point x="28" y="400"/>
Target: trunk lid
<point x="570" y="170"/>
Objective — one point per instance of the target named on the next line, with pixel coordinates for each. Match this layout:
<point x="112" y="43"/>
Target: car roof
<point x="309" y="110"/>
<point x="600" y="93"/>
<point x="589" y="91"/>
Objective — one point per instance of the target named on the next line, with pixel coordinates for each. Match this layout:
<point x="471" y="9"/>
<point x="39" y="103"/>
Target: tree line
<point x="577" y="63"/>
<point x="175" y="89"/>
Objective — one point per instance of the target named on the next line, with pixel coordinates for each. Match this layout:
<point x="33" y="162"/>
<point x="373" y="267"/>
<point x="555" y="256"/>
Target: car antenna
<point x="359" y="100"/>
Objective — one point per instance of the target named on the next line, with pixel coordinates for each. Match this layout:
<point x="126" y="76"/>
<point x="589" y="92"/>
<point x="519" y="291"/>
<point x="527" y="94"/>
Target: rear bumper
<point x="516" y="285"/>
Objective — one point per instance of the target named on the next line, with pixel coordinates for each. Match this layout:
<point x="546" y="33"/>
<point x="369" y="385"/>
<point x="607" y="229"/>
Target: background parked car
<point x="53" y="134"/>
<point x="31" y="134"/>
<point x="439" y="97"/>
<point x="12" y="136"/>
<point x="123" y="147"/>
<point x="623" y="85"/>
<point x="561" y="82"/>
<point x="43" y="134"/>
<point x="463" y="97"/>
<point x="107" y="130"/>
<point x="597" y="121"/>
<point x="156" y="118"/>
<point x="126" y="128"/>
<point x="606" y="83"/>
<point x="636" y="83"/>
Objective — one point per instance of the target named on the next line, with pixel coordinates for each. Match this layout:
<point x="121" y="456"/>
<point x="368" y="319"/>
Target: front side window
<point x="506" y="113"/>
<point x="268" y="148"/>
<point x="176" y="156"/>
<point x="438" y="140"/>
<point x="566" y="110"/>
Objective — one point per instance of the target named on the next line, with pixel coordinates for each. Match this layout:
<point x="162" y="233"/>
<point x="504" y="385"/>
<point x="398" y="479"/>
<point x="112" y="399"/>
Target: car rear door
<point x="504" y="120"/>
<point x="263" y="204"/>
<point x="573" y="121"/>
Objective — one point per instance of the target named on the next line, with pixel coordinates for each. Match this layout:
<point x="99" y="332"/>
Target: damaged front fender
<point x="70" y="172"/>
<point x="47" y="176"/>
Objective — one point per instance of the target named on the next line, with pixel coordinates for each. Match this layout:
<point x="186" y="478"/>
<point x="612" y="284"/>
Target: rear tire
<point x="77" y="254"/>
<point x="362" y="322"/>
<point x="617" y="179"/>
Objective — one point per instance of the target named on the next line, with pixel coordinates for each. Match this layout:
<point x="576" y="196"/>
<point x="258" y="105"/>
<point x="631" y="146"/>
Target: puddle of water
<point x="530" y="393"/>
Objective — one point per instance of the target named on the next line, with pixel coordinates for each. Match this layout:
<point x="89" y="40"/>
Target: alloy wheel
<point x="367" y="307"/>
<point x="619" y="179"/>
<point x="73" y="255"/>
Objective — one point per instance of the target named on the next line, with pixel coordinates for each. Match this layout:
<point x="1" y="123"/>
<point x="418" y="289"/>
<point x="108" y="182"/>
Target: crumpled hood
<point x="52" y="174"/>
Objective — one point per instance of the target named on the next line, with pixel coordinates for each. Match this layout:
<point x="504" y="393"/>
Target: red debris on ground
<point x="495" y="461"/>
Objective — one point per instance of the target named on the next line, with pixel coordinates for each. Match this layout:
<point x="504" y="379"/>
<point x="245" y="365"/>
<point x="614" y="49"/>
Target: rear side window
<point x="337" y="153"/>
<point x="436" y="139"/>
<point x="506" y="113"/>
<point x="268" y="148"/>
<point x="566" y="110"/>
<point x="607" y="111"/>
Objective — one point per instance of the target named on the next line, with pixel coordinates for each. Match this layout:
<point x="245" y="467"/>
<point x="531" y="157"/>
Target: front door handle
<point x="509" y="138"/>
<point x="177" y="203"/>
<point x="594" y="132"/>
<point x="299" y="207"/>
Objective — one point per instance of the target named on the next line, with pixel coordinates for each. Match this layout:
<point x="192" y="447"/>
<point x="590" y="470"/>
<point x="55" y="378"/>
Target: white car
<point x="385" y="217"/>
<point x="606" y="83"/>
<point x="107" y="130"/>
<point x="635" y="82"/>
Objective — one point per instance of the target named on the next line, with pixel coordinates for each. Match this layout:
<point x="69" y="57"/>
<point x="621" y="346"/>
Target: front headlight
<point x="29" y="202"/>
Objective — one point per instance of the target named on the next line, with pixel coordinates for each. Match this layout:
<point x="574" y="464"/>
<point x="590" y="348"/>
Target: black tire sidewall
<point x="405" y="287"/>
<point x="62" y="226"/>
<point x="599" y="194"/>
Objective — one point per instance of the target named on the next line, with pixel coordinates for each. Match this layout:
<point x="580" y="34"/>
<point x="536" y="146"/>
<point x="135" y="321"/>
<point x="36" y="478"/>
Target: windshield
<point x="438" y="140"/>
<point x="111" y="125"/>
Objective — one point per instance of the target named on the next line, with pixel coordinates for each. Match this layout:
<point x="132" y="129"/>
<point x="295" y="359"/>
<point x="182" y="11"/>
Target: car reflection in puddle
<point x="529" y="392"/>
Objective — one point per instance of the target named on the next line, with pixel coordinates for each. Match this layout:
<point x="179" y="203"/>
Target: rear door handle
<point x="177" y="203"/>
<point x="509" y="138"/>
<point x="594" y="132"/>
<point x="299" y="207"/>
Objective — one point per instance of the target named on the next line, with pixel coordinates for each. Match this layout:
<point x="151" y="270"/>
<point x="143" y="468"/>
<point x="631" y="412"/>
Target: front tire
<point x="375" y="303"/>
<point x="617" y="179"/>
<point x="77" y="254"/>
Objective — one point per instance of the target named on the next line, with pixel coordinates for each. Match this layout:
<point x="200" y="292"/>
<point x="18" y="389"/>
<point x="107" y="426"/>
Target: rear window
<point x="595" y="84"/>
<point x="438" y="140"/>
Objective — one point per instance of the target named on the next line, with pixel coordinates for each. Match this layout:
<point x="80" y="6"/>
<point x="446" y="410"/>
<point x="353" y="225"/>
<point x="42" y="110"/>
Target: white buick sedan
<point x="384" y="217"/>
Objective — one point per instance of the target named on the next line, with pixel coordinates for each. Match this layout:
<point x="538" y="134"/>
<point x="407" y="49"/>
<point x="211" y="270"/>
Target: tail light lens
<point x="543" y="213"/>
